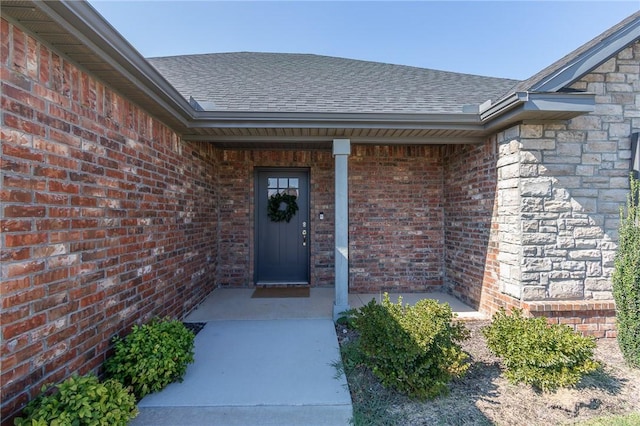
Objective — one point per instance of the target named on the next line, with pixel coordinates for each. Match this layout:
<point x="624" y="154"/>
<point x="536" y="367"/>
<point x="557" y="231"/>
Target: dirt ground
<point x="484" y="397"/>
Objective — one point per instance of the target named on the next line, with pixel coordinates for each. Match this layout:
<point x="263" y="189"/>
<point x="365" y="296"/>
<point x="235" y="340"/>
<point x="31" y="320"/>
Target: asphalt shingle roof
<point x="283" y="82"/>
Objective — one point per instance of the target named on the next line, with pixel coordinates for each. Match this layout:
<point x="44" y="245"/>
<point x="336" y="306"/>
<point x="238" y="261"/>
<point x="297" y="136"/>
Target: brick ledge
<point x="569" y="306"/>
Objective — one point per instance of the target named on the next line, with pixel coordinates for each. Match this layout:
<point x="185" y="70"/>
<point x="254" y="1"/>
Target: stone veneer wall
<point x="236" y="222"/>
<point x="559" y="192"/>
<point x="396" y="218"/>
<point x="107" y="219"/>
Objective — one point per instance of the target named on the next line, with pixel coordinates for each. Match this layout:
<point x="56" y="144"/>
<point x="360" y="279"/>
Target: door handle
<point x="304" y="237"/>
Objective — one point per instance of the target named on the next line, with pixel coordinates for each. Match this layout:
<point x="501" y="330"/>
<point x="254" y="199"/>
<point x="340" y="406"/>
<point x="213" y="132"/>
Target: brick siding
<point x="236" y="222"/>
<point x="471" y="246"/>
<point x="395" y="218"/>
<point x="105" y="219"/>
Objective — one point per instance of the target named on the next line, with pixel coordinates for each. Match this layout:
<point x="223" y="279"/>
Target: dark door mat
<point x="276" y="292"/>
<point x="195" y="327"/>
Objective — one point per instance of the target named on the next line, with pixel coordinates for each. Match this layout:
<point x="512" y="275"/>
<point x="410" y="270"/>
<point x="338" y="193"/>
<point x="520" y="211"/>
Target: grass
<point x="632" y="419"/>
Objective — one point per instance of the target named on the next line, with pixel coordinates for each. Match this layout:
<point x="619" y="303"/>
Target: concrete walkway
<point x="264" y="362"/>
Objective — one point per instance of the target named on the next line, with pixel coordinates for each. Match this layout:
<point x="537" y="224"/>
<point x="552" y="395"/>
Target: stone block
<point x="566" y="289"/>
<point x="614" y="195"/>
<point x="530" y="157"/>
<point x="511" y="289"/>
<point x="509" y="171"/>
<point x="538" y="238"/>
<point x="565" y="242"/>
<point x="572" y="136"/>
<point x="597" y="284"/>
<point x="586" y="205"/>
<point x="507" y="159"/>
<point x="571" y="265"/>
<point x="540" y="187"/>
<point x="557" y="205"/>
<point x="508" y="183"/>
<point x="585" y="122"/>
<point x="582" y="170"/>
<point x="594" y="269"/>
<point x="557" y="169"/>
<point x="609" y="208"/>
<point x="584" y="192"/>
<point x="601" y="147"/>
<point x="555" y="253"/>
<point x="619" y="87"/>
<point x="584" y="254"/>
<point x="531" y="292"/>
<point x="597" y="135"/>
<point x="569" y="149"/>
<point x="587" y="232"/>
<point x="512" y="133"/>
<point x="607" y="67"/>
<point x="530" y="277"/>
<point x="529" y="170"/>
<point x="550" y="229"/>
<point x="607" y="109"/>
<point x="591" y="158"/>
<point x="535" y="265"/>
<point x="608" y="258"/>
<point x="538" y="144"/>
<point x="586" y="244"/>
<point x="531" y="130"/>
<point x="532" y="204"/>
<point x="619" y="130"/>
<point x="532" y="251"/>
<point x="530" y="225"/>
<point x="554" y="159"/>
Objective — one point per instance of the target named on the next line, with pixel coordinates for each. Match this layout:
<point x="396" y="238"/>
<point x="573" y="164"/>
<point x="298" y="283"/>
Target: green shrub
<point x="542" y="355"/>
<point x="81" y="400"/>
<point x="412" y="349"/>
<point x="626" y="279"/>
<point x="152" y="356"/>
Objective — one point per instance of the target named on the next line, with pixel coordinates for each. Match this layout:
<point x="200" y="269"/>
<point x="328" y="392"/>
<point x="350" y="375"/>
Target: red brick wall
<point x="236" y="223"/>
<point x="396" y="218"/>
<point x="107" y="218"/>
<point x="470" y="181"/>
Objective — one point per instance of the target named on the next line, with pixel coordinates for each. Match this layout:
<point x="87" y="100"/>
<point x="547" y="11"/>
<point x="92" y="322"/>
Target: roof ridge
<point x="315" y="55"/>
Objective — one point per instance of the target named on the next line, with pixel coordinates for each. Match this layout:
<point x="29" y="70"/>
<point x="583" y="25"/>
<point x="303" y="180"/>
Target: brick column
<point x="341" y="152"/>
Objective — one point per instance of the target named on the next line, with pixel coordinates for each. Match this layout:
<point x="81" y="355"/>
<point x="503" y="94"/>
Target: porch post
<point x="341" y="152"/>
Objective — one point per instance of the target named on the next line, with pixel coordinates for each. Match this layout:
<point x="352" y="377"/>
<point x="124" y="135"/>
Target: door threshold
<point x="281" y="284"/>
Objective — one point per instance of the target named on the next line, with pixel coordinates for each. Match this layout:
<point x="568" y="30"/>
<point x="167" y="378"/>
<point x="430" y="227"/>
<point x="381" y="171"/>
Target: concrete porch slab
<point x="247" y="372"/>
<point x="237" y="304"/>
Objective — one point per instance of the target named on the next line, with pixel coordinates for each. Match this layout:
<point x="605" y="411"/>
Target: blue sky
<point x="512" y="39"/>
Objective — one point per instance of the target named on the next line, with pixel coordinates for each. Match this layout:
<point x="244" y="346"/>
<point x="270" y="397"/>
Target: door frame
<point x="256" y="192"/>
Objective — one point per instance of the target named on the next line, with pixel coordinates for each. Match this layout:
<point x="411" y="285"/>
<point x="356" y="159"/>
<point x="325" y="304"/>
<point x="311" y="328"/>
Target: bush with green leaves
<point x="626" y="278"/>
<point x="539" y="354"/>
<point x="152" y="356"/>
<point x="81" y="400"/>
<point x="413" y="349"/>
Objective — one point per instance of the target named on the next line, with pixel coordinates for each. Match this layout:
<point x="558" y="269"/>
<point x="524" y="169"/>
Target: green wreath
<point x="282" y="207"/>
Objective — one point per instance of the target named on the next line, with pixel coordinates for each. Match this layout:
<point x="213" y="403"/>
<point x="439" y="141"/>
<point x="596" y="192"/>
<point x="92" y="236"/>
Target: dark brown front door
<point x="282" y="254"/>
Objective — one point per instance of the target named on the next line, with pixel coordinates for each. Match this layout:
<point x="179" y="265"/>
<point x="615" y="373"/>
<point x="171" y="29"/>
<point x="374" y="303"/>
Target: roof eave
<point x="533" y="106"/>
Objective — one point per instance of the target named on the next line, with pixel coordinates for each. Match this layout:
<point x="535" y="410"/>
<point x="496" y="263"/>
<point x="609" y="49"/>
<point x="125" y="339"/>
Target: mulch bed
<point x="484" y="397"/>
